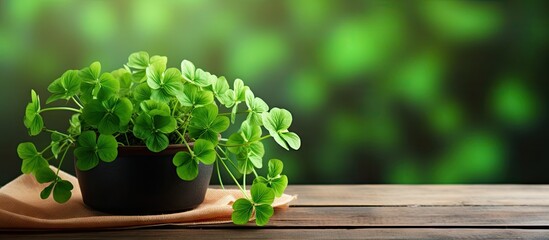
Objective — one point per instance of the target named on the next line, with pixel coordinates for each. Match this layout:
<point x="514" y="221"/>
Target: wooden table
<point x="377" y="212"/>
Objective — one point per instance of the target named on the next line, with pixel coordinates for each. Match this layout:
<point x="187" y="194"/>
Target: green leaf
<point x="275" y="168"/>
<point x="188" y="70"/>
<point x="64" y="87"/>
<point x="124" y="77"/>
<point x="228" y="98"/>
<point x="195" y="76"/>
<point x="33" y="121"/>
<point x="194" y="97"/>
<point x="261" y="194"/>
<point x="152" y="128"/>
<point x="110" y="115"/>
<point x="187" y="167"/>
<point x="155" y="73"/>
<point x="204" y="151"/>
<point x="161" y="108"/>
<point x="292" y="139"/>
<point x="62" y="191"/>
<point x="206" y="124"/>
<point x="89" y="151"/>
<point x="256" y="106"/>
<point x="138" y="60"/>
<point x="159" y="59"/>
<point x="164" y="124"/>
<point x="220" y="86"/>
<point x="275" y="181"/>
<point x="94" y="86"/>
<point x="262" y="214"/>
<point x="166" y="84"/>
<point x="75" y="126"/>
<point x="261" y="179"/>
<point x="251" y="156"/>
<point x="240" y="90"/>
<point x="32" y="159"/>
<point x="277" y="121"/>
<point x="279" y="185"/>
<point x="107" y="148"/>
<point x="157" y="142"/>
<point x="142" y="92"/>
<point x="201" y="78"/>
<point x="44" y="175"/>
<point x="45" y="194"/>
<point x="242" y="211"/>
<point x="247" y="133"/>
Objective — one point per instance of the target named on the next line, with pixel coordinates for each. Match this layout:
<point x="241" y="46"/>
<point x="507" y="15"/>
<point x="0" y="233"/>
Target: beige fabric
<point x="22" y="208"/>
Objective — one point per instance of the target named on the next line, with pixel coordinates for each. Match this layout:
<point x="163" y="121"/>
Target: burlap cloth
<point x="21" y="208"/>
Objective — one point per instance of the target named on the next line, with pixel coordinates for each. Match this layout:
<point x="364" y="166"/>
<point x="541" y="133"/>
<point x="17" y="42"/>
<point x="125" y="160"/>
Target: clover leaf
<point x="32" y="159"/>
<point x="206" y="124"/>
<point x="187" y="162"/>
<point x="262" y="198"/>
<point x="247" y="133"/>
<point x="90" y="150"/>
<point x="142" y="92"/>
<point x="124" y="77"/>
<point x="250" y="156"/>
<point x="75" y="126"/>
<point x="274" y="179"/>
<point x="195" y="76"/>
<point x="33" y="120"/>
<point x="153" y="107"/>
<point x="45" y="175"/>
<point x="193" y="96"/>
<point x="56" y="139"/>
<point x="96" y="85"/>
<point x="64" y="87"/>
<point x="243" y="210"/>
<point x="220" y="87"/>
<point x="61" y="191"/>
<point x="277" y="121"/>
<point x="138" y="60"/>
<point x="256" y="107"/>
<point x="164" y="83"/>
<point x="110" y="115"/>
<point x="153" y="125"/>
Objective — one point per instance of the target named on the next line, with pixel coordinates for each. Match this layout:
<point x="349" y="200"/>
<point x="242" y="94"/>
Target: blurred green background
<point x="380" y="91"/>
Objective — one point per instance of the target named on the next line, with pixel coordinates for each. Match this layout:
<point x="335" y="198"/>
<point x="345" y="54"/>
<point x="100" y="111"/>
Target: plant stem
<point x="228" y="114"/>
<point x="244" y="175"/>
<point x="219" y="173"/>
<point x="60" y="108"/>
<point x="127" y="140"/>
<point x="255" y="173"/>
<point x="227" y="157"/>
<point x="61" y="161"/>
<point x="234" y="179"/>
<point x="77" y="103"/>
<point x="56" y="132"/>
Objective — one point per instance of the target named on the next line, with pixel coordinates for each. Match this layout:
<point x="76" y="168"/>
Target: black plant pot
<point x="141" y="182"/>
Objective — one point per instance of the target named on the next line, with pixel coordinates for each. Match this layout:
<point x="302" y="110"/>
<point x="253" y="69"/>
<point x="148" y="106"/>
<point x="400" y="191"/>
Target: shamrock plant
<point x="147" y="103"/>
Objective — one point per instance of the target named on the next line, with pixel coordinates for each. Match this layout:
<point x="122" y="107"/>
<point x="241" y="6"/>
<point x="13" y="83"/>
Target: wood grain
<point x="383" y="233"/>
<point x="488" y="216"/>
<point x="374" y="212"/>
<point x="420" y="195"/>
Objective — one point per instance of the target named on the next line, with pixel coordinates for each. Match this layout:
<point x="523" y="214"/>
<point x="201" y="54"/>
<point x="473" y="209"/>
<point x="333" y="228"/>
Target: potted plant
<point x="146" y="139"/>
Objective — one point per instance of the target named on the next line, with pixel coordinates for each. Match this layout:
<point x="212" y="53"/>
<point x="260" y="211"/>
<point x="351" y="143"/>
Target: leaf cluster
<point x="148" y="103"/>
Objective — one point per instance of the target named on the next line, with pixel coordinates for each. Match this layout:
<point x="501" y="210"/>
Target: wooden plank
<point x="330" y="217"/>
<point x="420" y="195"/>
<point x="384" y="233"/>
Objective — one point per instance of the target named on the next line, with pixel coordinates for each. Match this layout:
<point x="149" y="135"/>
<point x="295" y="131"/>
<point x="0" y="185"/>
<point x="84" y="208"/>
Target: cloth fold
<point x="22" y="208"/>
